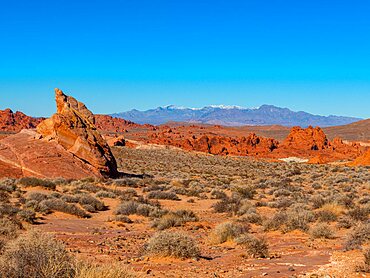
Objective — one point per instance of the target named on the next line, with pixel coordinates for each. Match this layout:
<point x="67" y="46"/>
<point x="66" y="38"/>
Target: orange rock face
<point x="23" y="154"/>
<point x="363" y="160"/>
<point x="109" y="124"/>
<point x="17" y="121"/>
<point x="218" y="145"/>
<point x="306" y="139"/>
<point x="73" y="127"/>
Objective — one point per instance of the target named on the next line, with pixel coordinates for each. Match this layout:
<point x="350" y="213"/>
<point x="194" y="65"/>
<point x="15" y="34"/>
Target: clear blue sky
<point x="309" y="55"/>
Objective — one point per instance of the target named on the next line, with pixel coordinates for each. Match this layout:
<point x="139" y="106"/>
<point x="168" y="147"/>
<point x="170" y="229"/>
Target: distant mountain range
<point x="233" y="116"/>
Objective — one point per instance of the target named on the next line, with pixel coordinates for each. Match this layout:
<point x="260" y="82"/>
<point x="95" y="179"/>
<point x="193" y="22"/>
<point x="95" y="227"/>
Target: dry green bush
<point x="365" y="266"/>
<point x="35" y="255"/>
<point x="27" y="215"/>
<point x="175" y="219"/>
<point x="163" y="195"/>
<point x="123" y="219"/>
<point x="227" y="231"/>
<point x="359" y="235"/>
<point x="245" y="191"/>
<point x="104" y="271"/>
<point x="53" y="204"/>
<point x="32" y="182"/>
<point x="256" y="247"/>
<point x="322" y="230"/>
<point x="9" y="227"/>
<point x="172" y="244"/>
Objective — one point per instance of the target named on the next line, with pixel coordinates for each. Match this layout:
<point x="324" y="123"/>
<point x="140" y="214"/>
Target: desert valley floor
<point x="304" y="220"/>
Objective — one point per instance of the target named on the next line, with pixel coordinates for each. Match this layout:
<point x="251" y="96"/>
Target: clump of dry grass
<point x="35" y="255"/>
<point x="175" y="219"/>
<point x="32" y="182"/>
<point x="256" y="247"/>
<point x="104" y="271"/>
<point x="172" y="244"/>
<point x="365" y="265"/>
<point x="322" y="230"/>
<point x="359" y="236"/>
<point x="227" y="231"/>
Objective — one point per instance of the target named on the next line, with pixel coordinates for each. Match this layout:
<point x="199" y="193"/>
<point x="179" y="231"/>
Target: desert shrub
<point x="252" y="217"/>
<point x="175" y="219"/>
<point x="35" y="255"/>
<point x="9" y="227"/>
<point x="218" y="194"/>
<point x="4" y="197"/>
<point x="8" y="185"/>
<point x="70" y="198"/>
<point x="326" y="216"/>
<point x="129" y="182"/>
<point x="322" y="230"/>
<point x="359" y="213"/>
<point x="115" y="270"/>
<point x="123" y="218"/>
<point x="105" y="194"/>
<point x="163" y="195"/>
<point x="32" y="182"/>
<point x="89" y="208"/>
<point x="245" y="207"/>
<point x="127" y="208"/>
<point x="27" y="215"/>
<point x="46" y="206"/>
<point x="143" y="209"/>
<point x="149" y="210"/>
<point x="245" y="192"/>
<point x="155" y="187"/>
<point x="86" y="199"/>
<point x="172" y="244"/>
<point x="228" y="231"/>
<point x="365" y="267"/>
<point x="359" y="236"/>
<point x="298" y="218"/>
<point x="37" y="196"/>
<point x="317" y="201"/>
<point x="345" y="222"/>
<point x="227" y="204"/>
<point x="275" y="222"/>
<point x="256" y="247"/>
<point x="295" y="218"/>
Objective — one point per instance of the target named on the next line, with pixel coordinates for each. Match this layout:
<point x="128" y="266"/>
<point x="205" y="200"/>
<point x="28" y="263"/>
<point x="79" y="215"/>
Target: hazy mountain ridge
<point x="233" y="116"/>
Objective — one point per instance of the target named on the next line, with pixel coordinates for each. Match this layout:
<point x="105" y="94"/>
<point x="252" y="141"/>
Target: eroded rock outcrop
<point x="363" y="160"/>
<point x="73" y="127"/>
<point x="23" y="155"/>
<point x="218" y="145"/>
<point x="10" y="121"/>
<point x="306" y="139"/>
<point x="108" y="123"/>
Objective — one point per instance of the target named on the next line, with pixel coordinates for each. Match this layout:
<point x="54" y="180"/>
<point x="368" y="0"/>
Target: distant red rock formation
<point x="218" y="145"/>
<point x="17" y="121"/>
<point x="307" y="139"/>
<point x="363" y="160"/>
<point x="109" y="124"/>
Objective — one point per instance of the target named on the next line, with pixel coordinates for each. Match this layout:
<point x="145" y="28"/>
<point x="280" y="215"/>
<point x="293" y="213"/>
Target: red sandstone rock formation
<point x="17" y="121"/>
<point x="306" y="139"/>
<point x="73" y="127"/>
<point x="363" y="160"/>
<point x="109" y="124"/>
<point x="214" y="144"/>
<point x="22" y="154"/>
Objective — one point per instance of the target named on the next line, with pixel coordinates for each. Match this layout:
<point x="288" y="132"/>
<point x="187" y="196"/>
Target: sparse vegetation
<point x="172" y="244"/>
<point x="256" y="247"/>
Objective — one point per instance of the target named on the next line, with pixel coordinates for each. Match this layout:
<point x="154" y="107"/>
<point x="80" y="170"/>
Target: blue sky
<point x="118" y="55"/>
